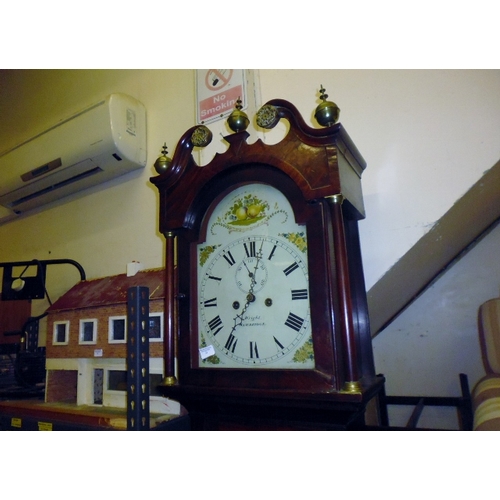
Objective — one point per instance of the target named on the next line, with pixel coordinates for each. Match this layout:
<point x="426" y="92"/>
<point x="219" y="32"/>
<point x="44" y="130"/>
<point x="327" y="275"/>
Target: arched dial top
<point x="253" y="284"/>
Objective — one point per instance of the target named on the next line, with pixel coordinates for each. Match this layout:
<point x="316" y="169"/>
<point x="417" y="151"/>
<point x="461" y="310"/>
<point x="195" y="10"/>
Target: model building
<point x="86" y="342"/>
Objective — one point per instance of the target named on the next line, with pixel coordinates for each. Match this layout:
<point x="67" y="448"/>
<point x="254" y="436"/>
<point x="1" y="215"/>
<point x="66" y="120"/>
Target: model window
<point x="88" y="331"/>
<point x="117" y="380"/>
<point x="155" y="379"/>
<point x="156" y="327"/>
<point x="117" y="329"/>
<point x="61" y="332"/>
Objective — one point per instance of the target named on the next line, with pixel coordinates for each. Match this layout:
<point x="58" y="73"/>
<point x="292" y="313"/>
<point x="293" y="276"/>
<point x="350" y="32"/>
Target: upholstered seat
<point x="486" y="403"/>
<point x="486" y="393"/>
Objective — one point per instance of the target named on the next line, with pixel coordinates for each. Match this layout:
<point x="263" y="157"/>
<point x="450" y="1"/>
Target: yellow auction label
<point x="16" y="422"/>
<point x="44" y="426"/>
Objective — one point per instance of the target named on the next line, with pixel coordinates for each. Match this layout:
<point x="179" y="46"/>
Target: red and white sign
<point x="217" y="92"/>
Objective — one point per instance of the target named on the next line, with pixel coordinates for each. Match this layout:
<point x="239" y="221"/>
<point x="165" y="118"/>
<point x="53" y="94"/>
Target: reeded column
<point x="170" y="315"/>
<point x="344" y="293"/>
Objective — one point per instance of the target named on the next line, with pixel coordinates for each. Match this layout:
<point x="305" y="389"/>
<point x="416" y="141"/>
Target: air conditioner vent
<point x="58" y="185"/>
<point x="44" y="169"/>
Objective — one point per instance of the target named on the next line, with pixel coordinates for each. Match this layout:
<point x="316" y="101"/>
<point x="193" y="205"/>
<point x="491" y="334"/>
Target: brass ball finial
<point x="327" y="113"/>
<point x="238" y="120"/>
<point x="163" y="162"/>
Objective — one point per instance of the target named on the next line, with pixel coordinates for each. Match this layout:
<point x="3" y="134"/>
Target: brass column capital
<point x="336" y="198"/>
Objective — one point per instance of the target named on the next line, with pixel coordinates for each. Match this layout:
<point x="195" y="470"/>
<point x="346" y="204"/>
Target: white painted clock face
<point x="253" y="284"/>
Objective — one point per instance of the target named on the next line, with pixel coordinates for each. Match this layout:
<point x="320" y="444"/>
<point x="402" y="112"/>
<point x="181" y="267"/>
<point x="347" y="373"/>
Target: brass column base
<point x="169" y="381"/>
<point x="352" y="388"/>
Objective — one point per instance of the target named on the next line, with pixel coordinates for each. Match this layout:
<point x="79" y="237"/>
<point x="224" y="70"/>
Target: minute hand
<point x="238" y="319"/>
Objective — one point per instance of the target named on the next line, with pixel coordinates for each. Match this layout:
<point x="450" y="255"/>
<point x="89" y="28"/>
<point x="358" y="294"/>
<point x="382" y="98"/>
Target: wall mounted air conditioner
<point x="100" y="143"/>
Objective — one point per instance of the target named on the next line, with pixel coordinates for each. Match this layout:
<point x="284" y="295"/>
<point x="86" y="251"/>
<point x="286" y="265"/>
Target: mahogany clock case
<point x="308" y="166"/>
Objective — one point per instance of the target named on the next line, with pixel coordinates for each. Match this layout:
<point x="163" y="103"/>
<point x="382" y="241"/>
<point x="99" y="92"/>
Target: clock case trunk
<point x="319" y="171"/>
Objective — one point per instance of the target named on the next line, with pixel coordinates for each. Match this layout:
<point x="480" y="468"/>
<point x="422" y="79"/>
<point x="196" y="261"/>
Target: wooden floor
<point x="37" y="415"/>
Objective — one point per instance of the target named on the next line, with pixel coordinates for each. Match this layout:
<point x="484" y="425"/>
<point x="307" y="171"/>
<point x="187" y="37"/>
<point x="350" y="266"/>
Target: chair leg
<point x="465" y="410"/>
<point x="384" y="414"/>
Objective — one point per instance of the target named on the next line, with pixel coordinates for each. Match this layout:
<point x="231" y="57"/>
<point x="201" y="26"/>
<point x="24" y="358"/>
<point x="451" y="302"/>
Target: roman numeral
<point x="291" y="268"/>
<point x="214" y="278"/>
<point x="250" y="249"/>
<point x="215" y="323"/>
<point x="229" y="257"/>
<point x="299" y="294"/>
<point x="231" y="342"/>
<point x="210" y="302"/>
<point x="294" y="322"/>
<point x="272" y="253"/>
<point x="254" y="352"/>
<point x="278" y="343"/>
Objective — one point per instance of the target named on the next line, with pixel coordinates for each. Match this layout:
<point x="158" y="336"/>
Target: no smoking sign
<point x="217" y="92"/>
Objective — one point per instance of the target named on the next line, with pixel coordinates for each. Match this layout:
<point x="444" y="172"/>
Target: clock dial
<point x="253" y="284"/>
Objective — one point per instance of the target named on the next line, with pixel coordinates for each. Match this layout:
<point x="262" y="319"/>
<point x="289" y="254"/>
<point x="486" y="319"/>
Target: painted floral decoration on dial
<point x="247" y="210"/>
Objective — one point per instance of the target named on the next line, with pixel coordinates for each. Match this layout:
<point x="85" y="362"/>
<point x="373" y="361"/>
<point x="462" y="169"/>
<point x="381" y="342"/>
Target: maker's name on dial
<point x="253" y="321"/>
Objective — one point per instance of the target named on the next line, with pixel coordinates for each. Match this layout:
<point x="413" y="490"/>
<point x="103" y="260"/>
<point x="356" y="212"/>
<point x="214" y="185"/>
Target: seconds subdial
<point x="252" y="270"/>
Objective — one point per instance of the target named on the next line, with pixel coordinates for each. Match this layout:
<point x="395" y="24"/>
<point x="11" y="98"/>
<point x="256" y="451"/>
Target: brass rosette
<point x="267" y="116"/>
<point x="201" y="136"/>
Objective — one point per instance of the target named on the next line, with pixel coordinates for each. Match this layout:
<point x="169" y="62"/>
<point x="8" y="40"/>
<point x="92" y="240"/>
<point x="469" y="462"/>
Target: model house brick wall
<point x="99" y="300"/>
<point x="63" y="385"/>
<point x="86" y="345"/>
<point x="102" y="347"/>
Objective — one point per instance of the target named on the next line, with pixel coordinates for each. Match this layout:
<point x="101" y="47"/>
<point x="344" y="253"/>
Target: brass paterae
<point x="201" y="136"/>
<point x="267" y="116"/>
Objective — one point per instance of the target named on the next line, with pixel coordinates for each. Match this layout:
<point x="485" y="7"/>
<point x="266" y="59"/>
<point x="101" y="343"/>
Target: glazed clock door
<point x="253" y="284"/>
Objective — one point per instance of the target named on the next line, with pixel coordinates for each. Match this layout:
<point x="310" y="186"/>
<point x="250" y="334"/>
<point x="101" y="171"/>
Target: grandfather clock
<point x="265" y="305"/>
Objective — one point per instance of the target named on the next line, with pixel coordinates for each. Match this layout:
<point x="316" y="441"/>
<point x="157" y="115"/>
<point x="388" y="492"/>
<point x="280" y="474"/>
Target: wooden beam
<point x="470" y="218"/>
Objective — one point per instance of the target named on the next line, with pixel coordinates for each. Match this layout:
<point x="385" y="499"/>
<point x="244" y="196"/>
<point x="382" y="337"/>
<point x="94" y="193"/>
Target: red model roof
<point x="109" y="290"/>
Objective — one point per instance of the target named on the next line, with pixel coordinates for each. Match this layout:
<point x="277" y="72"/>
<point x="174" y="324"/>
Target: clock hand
<point x="250" y="274"/>
<point x="250" y="297"/>
<point x="238" y="319"/>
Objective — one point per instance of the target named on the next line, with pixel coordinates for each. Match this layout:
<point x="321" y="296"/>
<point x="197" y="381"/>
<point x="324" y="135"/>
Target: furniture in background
<point x="486" y="393"/>
<point x="461" y="403"/>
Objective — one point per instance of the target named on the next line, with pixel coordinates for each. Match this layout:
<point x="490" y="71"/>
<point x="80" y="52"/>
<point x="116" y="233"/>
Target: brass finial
<point x="327" y="113"/>
<point x="163" y="162"/>
<point x="238" y="120"/>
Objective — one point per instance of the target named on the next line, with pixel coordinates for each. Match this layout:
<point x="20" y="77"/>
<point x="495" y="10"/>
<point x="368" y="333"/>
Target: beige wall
<point x="427" y="136"/>
<point x="110" y="227"/>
